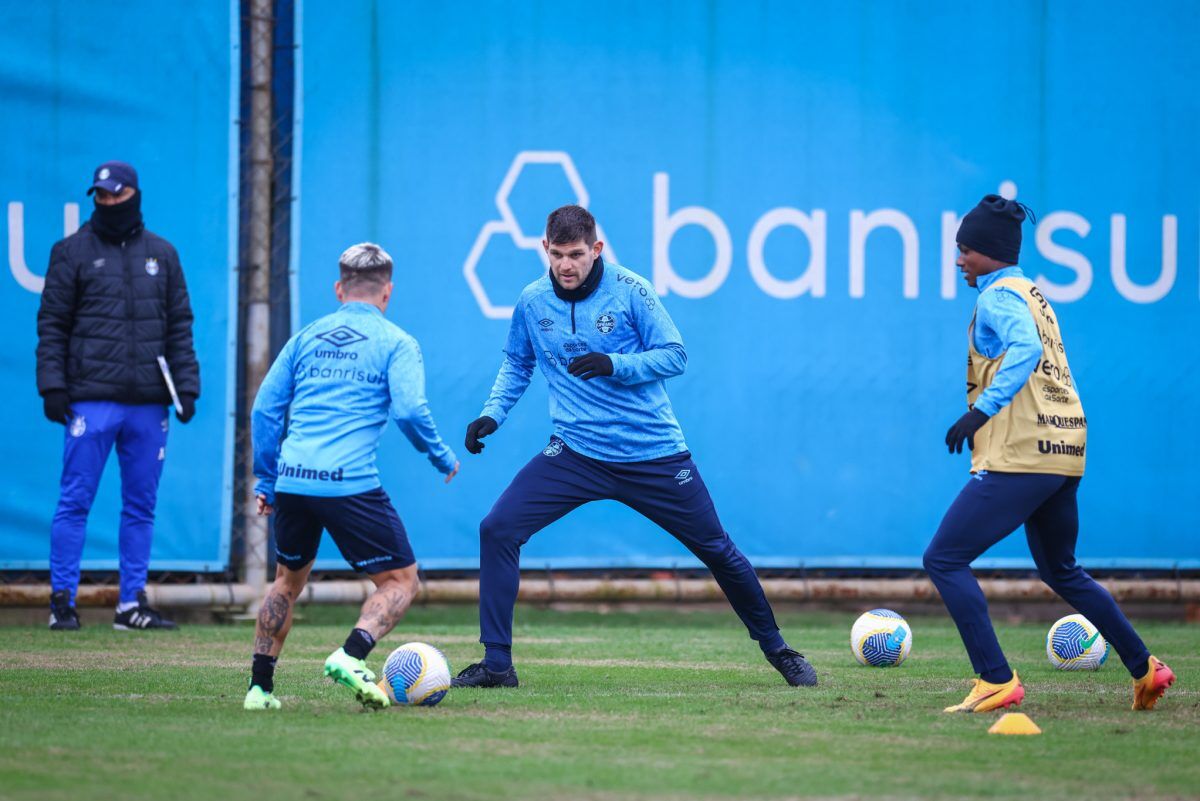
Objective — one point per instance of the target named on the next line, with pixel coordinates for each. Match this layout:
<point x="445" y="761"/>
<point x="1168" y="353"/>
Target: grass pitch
<point x="628" y="705"/>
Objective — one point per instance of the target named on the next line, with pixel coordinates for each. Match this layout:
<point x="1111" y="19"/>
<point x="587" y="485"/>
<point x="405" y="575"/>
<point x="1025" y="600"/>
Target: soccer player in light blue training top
<point x="605" y="344"/>
<point x="336" y="383"/>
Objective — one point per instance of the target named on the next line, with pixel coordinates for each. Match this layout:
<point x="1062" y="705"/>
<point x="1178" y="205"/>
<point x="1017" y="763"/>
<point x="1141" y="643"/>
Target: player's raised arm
<point x="511" y="382"/>
<point x="267" y="420"/>
<point x="410" y="409"/>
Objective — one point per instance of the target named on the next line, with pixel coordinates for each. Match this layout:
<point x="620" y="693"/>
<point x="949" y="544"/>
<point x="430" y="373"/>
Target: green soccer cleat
<point x="258" y="698"/>
<point x="354" y="673"/>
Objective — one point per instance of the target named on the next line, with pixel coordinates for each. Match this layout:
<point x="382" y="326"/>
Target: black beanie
<point x="993" y="228"/>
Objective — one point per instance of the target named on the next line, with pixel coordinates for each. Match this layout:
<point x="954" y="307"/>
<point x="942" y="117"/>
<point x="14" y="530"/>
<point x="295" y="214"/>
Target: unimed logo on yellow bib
<point x="1044" y="429"/>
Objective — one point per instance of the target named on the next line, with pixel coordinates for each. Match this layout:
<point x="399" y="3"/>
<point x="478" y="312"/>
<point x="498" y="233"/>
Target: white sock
<point x="125" y="607"/>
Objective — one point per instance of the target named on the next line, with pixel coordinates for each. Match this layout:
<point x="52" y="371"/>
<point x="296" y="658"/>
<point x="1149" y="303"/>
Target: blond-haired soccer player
<point x="316" y="425"/>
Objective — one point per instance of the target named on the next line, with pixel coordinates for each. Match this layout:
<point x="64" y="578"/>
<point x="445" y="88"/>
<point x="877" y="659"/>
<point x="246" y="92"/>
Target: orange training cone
<point x="1014" y="723"/>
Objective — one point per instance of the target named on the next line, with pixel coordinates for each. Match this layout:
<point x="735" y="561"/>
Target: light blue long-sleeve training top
<point x="1004" y="324"/>
<point x="623" y="418"/>
<point x="337" y="382"/>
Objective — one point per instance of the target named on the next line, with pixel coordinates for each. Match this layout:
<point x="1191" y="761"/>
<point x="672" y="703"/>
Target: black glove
<point x="965" y="428"/>
<point x="477" y="431"/>
<point x="56" y="405"/>
<point x="591" y="365"/>
<point x="188" y="404"/>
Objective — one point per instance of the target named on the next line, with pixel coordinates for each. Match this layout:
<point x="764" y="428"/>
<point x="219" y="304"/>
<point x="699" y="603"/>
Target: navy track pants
<point x="668" y="491"/>
<point x="140" y="434"/>
<point x="990" y="507"/>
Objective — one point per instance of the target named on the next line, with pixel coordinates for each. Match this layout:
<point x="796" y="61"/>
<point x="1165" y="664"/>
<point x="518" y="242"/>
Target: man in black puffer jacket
<point x="114" y="301"/>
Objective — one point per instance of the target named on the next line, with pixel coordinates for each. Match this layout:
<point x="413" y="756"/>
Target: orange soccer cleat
<point x="1149" y="688"/>
<point x="985" y="696"/>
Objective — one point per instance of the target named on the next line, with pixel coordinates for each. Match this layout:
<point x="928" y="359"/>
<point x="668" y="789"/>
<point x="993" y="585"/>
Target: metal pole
<point x="258" y="275"/>
<point x="851" y="592"/>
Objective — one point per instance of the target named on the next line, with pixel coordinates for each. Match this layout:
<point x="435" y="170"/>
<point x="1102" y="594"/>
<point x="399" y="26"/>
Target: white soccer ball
<point x="416" y="674"/>
<point x="880" y="638"/>
<point x="1073" y="643"/>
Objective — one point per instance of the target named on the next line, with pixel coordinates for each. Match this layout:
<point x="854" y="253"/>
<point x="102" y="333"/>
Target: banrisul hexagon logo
<point x="508" y="224"/>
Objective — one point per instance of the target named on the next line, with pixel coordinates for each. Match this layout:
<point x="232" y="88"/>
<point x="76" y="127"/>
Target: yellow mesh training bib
<point x="1043" y="430"/>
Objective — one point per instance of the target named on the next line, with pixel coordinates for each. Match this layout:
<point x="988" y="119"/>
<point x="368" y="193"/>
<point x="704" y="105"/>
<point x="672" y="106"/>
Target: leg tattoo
<point x="274" y="621"/>
<point x="384" y="608"/>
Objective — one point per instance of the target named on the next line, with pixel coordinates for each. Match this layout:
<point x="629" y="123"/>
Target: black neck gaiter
<point x="120" y="222"/>
<point x="583" y="290"/>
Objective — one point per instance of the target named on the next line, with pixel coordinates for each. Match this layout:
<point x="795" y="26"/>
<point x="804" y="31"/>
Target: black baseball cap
<point x="113" y="176"/>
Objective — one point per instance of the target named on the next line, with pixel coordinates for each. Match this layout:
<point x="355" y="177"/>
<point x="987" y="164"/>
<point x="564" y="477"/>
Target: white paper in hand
<point x="166" y="371"/>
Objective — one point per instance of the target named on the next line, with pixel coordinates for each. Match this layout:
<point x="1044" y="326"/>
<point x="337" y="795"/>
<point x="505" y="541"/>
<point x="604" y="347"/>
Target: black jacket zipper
<point x="130" y="323"/>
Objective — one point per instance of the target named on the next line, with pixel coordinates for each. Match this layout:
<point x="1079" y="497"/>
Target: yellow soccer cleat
<point x="354" y="673"/>
<point x="1149" y="688"/>
<point x="985" y="696"/>
<point x="258" y="698"/>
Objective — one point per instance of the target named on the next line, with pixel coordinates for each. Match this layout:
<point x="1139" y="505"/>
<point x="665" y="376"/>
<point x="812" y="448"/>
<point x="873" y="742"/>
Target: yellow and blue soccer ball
<point x="880" y="638"/>
<point x="415" y="674"/>
<point x="1073" y="643"/>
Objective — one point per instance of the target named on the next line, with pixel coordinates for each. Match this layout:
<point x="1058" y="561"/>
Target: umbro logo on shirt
<point x="341" y="336"/>
<point x="546" y="323"/>
<point x="683" y="477"/>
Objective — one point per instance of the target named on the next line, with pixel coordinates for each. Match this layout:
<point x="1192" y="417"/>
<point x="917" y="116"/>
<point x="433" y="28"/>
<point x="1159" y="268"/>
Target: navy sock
<point x="497" y="658"/>
<point x="262" y="672"/>
<point x="998" y="676"/>
<point x="359" y="644"/>
<point x="1141" y="670"/>
<point x="773" y="643"/>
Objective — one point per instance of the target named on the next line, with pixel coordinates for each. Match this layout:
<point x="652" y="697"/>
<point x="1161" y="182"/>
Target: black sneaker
<point x="477" y="675"/>
<point x="141" y="617"/>
<point x="794" y="667"/>
<point x="62" y="615"/>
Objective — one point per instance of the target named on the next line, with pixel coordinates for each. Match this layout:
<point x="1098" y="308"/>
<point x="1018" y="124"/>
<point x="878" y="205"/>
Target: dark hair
<point x="365" y="268"/>
<point x="571" y="224"/>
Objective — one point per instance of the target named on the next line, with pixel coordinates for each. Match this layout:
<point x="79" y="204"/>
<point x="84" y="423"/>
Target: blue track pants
<point x="140" y="434"/>
<point x="990" y="507"/>
<point x="668" y="491"/>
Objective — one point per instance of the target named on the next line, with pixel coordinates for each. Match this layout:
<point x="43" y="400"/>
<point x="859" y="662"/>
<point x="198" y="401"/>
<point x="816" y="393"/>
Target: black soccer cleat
<point x="63" y="616"/>
<point x="142" y="617"/>
<point x="793" y="667"/>
<point x="477" y="675"/>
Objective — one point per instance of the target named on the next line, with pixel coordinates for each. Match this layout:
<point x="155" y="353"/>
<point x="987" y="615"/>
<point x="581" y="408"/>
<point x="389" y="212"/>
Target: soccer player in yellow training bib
<point x="1027" y="433"/>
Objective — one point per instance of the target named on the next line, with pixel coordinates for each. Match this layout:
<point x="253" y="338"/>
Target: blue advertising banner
<point x="790" y="178"/>
<point x="149" y="83"/>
